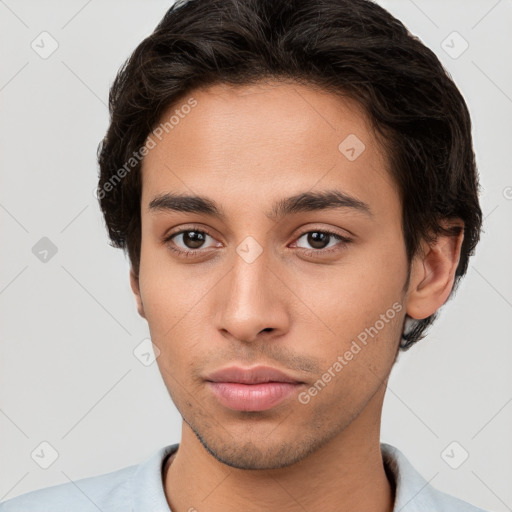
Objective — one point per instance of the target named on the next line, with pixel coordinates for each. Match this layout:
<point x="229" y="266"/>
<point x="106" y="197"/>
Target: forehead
<point x="265" y="140"/>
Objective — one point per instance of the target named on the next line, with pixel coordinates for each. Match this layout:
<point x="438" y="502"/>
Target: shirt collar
<point x="412" y="492"/>
<point x="147" y="485"/>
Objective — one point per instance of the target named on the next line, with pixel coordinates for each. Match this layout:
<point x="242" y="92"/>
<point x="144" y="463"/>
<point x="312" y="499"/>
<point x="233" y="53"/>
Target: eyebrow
<point x="302" y="202"/>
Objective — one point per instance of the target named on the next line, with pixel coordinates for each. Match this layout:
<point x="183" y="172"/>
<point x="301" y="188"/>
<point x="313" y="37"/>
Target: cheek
<point x="168" y="291"/>
<point x="170" y="314"/>
<point x="175" y="299"/>
<point x="350" y="296"/>
<point x="354" y="365"/>
<point x="357" y="320"/>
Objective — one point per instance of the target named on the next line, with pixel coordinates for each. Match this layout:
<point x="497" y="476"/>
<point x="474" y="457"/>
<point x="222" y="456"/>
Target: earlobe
<point x="134" y="283"/>
<point x="433" y="275"/>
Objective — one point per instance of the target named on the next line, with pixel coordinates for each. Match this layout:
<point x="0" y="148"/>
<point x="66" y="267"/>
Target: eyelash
<point x="308" y="252"/>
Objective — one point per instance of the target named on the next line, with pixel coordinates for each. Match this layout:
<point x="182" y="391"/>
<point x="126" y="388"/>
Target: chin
<point x="254" y="454"/>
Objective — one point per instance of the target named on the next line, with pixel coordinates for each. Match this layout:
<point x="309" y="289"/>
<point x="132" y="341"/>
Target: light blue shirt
<point x="139" y="488"/>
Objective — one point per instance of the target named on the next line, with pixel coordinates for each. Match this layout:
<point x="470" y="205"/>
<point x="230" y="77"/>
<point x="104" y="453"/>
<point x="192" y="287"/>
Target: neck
<point x="346" y="474"/>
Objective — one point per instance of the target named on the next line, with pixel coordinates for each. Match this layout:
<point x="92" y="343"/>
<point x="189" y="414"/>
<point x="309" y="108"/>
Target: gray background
<point x="68" y="375"/>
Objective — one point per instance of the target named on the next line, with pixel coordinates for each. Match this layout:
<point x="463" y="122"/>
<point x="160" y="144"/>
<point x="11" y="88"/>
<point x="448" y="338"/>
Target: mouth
<point x="252" y="389"/>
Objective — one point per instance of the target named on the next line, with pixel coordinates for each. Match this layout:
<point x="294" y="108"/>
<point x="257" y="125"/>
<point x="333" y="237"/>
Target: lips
<point x="251" y="389"/>
<point x="255" y="375"/>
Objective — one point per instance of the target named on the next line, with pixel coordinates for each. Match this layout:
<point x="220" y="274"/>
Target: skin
<point x="244" y="148"/>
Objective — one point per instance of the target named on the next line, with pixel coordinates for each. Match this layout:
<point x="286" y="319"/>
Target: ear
<point x="433" y="273"/>
<point x="134" y="283"/>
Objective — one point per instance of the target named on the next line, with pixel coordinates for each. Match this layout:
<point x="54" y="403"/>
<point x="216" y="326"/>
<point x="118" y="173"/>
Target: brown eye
<point x="193" y="239"/>
<point x="188" y="242"/>
<point x="320" y="240"/>
<point x="317" y="239"/>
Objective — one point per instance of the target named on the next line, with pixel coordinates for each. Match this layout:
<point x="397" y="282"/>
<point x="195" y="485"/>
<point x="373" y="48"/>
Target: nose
<point x="252" y="302"/>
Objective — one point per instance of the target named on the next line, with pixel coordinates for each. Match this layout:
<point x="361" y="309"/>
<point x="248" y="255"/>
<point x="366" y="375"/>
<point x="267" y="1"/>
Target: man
<point x="295" y="185"/>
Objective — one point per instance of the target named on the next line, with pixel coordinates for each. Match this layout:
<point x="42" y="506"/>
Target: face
<point x="313" y="288"/>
